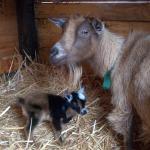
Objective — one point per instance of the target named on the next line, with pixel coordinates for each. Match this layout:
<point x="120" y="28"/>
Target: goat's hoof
<point x="61" y="139"/>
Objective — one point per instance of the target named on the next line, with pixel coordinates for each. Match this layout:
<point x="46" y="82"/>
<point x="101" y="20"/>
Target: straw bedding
<point x="89" y="132"/>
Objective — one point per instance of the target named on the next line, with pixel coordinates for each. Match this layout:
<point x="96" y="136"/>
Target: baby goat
<point x="39" y="107"/>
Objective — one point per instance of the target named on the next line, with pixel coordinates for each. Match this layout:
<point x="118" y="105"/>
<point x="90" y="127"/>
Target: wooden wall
<point x="8" y="35"/>
<point x="119" y="18"/>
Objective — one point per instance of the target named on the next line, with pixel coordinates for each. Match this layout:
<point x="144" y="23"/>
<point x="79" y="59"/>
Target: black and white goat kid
<point x="39" y="107"/>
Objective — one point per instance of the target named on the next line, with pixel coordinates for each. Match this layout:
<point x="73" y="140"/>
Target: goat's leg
<point x="121" y="122"/>
<point x="130" y="136"/>
<point x="143" y="110"/>
<point x="57" y="129"/>
<point x="30" y="126"/>
<point x="66" y="119"/>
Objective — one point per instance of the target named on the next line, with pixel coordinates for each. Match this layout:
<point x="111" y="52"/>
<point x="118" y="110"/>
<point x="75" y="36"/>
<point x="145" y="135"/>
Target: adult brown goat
<point x="87" y="39"/>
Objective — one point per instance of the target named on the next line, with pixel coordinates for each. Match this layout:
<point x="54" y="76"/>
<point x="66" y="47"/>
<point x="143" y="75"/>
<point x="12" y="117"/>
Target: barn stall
<point x="25" y="42"/>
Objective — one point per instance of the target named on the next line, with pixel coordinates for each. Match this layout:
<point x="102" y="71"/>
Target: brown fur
<point x="131" y="73"/>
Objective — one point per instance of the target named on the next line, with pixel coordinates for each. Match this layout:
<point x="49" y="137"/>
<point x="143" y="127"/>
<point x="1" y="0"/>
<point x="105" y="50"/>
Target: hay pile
<point x="82" y="133"/>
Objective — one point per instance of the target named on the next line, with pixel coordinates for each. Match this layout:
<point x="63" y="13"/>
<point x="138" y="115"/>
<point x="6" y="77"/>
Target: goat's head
<point x="77" y="100"/>
<point x="79" y="39"/>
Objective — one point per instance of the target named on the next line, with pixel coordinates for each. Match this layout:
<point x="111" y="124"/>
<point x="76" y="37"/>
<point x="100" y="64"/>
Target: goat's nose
<point x="84" y="111"/>
<point x="54" y="51"/>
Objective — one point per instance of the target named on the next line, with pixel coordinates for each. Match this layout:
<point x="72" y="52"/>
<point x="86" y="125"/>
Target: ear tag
<point x="107" y="80"/>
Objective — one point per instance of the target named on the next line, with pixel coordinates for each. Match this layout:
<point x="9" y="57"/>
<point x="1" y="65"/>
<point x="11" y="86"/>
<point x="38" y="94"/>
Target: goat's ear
<point x="59" y="22"/>
<point x="68" y="96"/>
<point x="81" y="93"/>
<point x="66" y="92"/>
<point x="97" y="25"/>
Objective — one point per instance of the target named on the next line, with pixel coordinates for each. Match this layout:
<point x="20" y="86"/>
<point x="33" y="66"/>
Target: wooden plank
<point x="1" y="6"/>
<point x="8" y="35"/>
<point x="123" y="28"/>
<point x="26" y="28"/>
<point x="7" y="52"/>
<point x="88" y="1"/>
<point x="8" y="25"/>
<point x="7" y="8"/>
<point x="9" y="62"/>
<point x="93" y="1"/>
<point x="109" y="12"/>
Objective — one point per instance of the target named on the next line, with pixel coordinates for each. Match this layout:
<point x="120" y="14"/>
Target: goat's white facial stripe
<point x="59" y="55"/>
<point x="82" y="96"/>
<point x="84" y="110"/>
<point x="59" y="47"/>
<point x="69" y="98"/>
<point x="61" y="51"/>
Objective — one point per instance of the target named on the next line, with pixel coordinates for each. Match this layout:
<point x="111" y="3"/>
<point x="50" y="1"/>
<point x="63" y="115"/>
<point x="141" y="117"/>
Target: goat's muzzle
<point x="84" y="111"/>
<point x="54" y="51"/>
<point x="57" y="57"/>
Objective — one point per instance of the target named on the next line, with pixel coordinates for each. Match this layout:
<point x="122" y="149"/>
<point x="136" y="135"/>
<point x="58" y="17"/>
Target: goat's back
<point x="132" y="75"/>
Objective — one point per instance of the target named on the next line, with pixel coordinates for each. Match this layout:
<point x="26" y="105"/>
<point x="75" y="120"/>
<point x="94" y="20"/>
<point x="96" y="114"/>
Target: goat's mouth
<point x="58" y="60"/>
<point x="83" y="111"/>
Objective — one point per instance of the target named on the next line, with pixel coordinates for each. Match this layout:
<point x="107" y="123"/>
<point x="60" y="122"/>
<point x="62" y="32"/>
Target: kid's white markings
<point x="81" y="94"/>
<point x="69" y="98"/>
<point x="84" y="110"/>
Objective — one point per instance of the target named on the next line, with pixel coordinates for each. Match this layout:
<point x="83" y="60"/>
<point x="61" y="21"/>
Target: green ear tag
<point x="107" y="80"/>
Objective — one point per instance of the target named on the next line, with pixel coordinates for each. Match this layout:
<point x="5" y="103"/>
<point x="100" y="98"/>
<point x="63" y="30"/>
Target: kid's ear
<point x="66" y="92"/>
<point x="81" y="93"/>
<point x="81" y="90"/>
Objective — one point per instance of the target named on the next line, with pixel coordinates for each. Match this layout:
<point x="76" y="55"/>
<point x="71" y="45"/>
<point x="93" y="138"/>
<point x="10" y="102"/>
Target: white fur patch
<point x="61" y="51"/>
<point x="69" y="98"/>
<point x="59" y="55"/>
<point x="59" y="47"/>
<point x="84" y="110"/>
<point x="82" y="96"/>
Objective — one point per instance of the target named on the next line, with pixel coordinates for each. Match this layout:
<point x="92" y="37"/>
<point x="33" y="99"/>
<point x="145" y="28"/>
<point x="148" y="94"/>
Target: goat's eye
<point x="85" y="32"/>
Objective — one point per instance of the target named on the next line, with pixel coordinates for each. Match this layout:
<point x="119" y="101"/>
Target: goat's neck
<point x="106" y="52"/>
